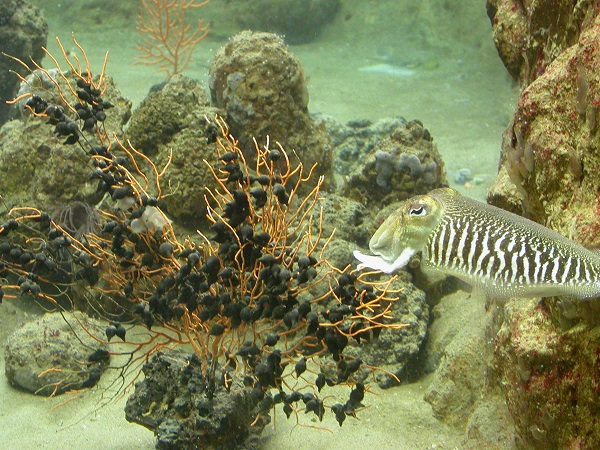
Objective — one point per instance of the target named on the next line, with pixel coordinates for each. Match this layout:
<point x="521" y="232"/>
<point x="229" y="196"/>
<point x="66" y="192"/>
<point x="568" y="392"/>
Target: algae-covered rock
<point x="344" y="218"/>
<point x="550" y="376"/>
<point x="546" y="354"/>
<point x="167" y="109"/>
<point x="354" y="140"/>
<point x="38" y="169"/>
<point x="46" y="357"/>
<point x="261" y="86"/>
<point x="23" y="33"/>
<point x="171" y="124"/>
<point x="530" y="35"/>
<point x="400" y="166"/>
<point x="551" y="149"/>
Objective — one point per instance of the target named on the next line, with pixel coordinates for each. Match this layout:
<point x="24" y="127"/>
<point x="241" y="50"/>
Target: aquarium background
<point x="434" y="61"/>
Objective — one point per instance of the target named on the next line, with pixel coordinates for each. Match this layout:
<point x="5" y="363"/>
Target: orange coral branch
<point x="169" y="40"/>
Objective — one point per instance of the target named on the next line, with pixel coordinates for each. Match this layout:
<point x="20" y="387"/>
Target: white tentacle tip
<point x="372" y="262"/>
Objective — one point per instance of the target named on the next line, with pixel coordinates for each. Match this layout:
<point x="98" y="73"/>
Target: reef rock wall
<point x="546" y="352"/>
<point x="530" y="34"/>
<point x="550" y="150"/>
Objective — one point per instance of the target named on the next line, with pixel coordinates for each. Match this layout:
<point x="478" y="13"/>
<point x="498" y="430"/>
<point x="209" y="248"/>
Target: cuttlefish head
<point x="404" y="232"/>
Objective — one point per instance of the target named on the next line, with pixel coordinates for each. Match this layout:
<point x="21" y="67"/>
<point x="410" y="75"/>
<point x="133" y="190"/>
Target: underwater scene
<point x="309" y="224"/>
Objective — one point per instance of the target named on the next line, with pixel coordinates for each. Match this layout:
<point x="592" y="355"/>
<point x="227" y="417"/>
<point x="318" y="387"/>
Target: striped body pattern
<point x="505" y="254"/>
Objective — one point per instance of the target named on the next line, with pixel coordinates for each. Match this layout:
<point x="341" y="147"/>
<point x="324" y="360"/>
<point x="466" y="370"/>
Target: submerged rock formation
<point x="186" y="408"/>
<point x="23" y="33"/>
<point x="170" y="125"/>
<point x="45" y="356"/>
<point x="39" y="168"/>
<point x="400" y="166"/>
<point x="547" y="353"/>
<point x="261" y="86"/>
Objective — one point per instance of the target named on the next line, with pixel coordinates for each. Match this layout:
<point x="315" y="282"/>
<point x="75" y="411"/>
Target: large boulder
<point x="47" y="357"/>
<point x="399" y="166"/>
<point x="262" y="87"/>
<point x="550" y="150"/>
<point x="550" y="376"/>
<point x="170" y="126"/>
<point x="23" y="33"/>
<point x="530" y="34"/>
<point x="38" y="168"/>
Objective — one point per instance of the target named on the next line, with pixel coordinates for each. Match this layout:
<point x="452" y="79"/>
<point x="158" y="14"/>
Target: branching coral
<point x="169" y="40"/>
<point x="253" y="296"/>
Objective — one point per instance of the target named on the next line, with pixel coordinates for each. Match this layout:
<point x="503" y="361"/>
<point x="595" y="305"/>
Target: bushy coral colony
<point x="252" y="295"/>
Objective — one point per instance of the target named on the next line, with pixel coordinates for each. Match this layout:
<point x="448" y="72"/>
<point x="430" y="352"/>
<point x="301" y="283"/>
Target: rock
<point x="460" y="356"/>
<point x="23" y="33"/>
<point x="354" y="140"/>
<point x="530" y="35"/>
<point x="490" y="426"/>
<point x="300" y="21"/>
<point x="185" y="410"/>
<point x="39" y="170"/>
<point x="550" y="377"/>
<point x="464" y="392"/>
<point x="398" y="167"/>
<point x="504" y="194"/>
<point x="351" y="221"/>
<point x="47" y="358"/>
<point x="546" y="354"/>
<point x="261" y="86"/>
<point x="551" y="151"/>
<point x="338" y="253"/>
<point x="168" y="109"/>
<point x="397" y="351"/>
<point x="170" y="123"/>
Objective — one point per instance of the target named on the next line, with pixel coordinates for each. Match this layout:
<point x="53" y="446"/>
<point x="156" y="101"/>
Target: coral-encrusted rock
<point x="551" y="378"/>
<point x="396" y="351"/>
<point x="354" y="140"/>
<point x="261" y="86"/>
<point x="170" y="123"/>
<point x="186" y="411"/>
<point x="38" y="169"/>
<point x="400" y="166"/>
<point x="551" y="149"/>
<point x="345" y="218"/>
<point x="23" y="33"/>
<point x="551" y="153"/>
<point x="50" y="347"/>
<point x="530" y="34"/>
<point x="169" y="108"/>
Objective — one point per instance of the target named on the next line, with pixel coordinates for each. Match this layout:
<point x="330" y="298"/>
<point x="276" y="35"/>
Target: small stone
<point x="49" y="343"/>
<point x="462" y="176"/>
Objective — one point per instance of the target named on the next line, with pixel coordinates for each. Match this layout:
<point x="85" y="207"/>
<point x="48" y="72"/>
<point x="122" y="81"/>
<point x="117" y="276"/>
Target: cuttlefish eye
<point x="418" y="210"/>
